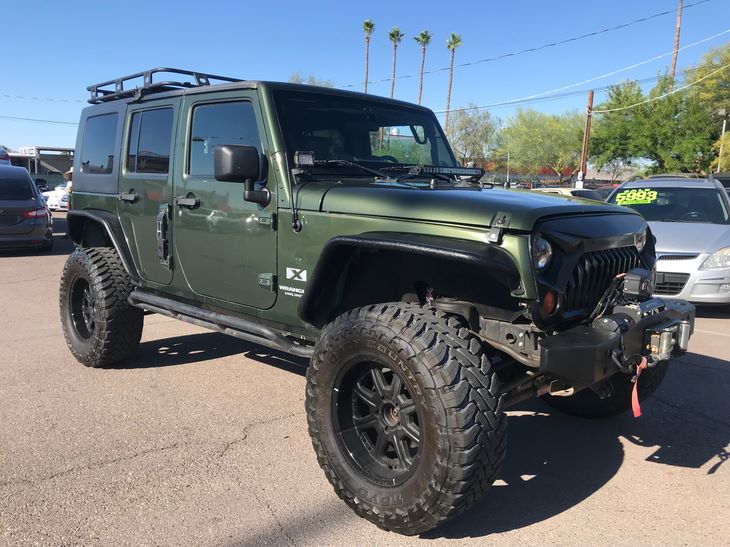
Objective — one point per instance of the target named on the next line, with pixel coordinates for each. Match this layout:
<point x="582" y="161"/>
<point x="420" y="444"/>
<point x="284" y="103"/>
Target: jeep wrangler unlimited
<point x="339" y="226"/>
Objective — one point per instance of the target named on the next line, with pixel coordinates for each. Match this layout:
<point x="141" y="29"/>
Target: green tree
<point x="722" y="145"/>
<point x="472" y="134"/>
<point x="368" y="27"/>
<point x="539" y="140"/>
<point x="614" y="139"/>
<point x="423" y="39"/>
<point x="298" y="78"/>
<point x="452" y="43"/>
<point x="395" y="36"/>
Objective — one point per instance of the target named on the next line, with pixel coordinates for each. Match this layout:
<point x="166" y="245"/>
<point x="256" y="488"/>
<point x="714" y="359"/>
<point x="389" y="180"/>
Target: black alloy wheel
<point x="377" y="422"/>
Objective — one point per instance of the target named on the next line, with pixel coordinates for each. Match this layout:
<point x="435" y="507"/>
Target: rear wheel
<point x="405" y="415"/>
<point x="99" y="325"/>
<point x="588" y="404"/>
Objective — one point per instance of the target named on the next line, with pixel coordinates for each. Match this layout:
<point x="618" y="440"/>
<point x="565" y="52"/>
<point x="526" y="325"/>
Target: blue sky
<point x="53" y="50"/>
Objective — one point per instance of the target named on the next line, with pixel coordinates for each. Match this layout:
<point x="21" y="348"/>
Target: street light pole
<point x="586" y="142"/>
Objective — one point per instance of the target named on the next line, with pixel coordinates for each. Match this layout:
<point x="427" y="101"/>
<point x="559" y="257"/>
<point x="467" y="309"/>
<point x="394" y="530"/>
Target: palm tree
<point x="452" y="43"/>
<point x="368" y="27"/>
<point x="423" y="39"/>
<point x="395" y="36"/>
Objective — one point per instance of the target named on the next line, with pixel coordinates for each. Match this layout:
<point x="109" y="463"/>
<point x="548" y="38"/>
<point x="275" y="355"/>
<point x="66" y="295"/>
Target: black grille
<point x="670" y="284"/>
<point x="677" y="257"/>
<point x="594" y="273"/>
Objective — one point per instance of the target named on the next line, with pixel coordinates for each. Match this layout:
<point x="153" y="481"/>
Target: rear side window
<point x="14" y="187"/>
<point x="216" y="124"/>
<point x="97" y="148"/>
<point x="150" y="138"/>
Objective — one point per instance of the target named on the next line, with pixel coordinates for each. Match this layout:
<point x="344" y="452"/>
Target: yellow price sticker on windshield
<point x="636" y="197"/>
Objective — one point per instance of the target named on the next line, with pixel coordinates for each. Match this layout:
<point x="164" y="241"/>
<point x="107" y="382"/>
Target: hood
<point x="690" y="237"/>
<point x="468" y="206"/>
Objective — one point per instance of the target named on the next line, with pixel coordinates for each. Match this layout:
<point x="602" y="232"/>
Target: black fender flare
<point x="78" y="219"/>
<point x="339" y="248"/>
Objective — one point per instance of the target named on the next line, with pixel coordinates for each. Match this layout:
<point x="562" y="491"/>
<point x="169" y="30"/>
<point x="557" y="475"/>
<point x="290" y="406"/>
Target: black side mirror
<point x="235" y="163"/>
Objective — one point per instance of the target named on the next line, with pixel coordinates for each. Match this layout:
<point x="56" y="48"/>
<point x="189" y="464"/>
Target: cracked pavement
<point x="202" y="440"/>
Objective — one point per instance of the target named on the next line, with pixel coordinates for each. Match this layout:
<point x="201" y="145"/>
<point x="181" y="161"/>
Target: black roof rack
<point x="114" y="89"/>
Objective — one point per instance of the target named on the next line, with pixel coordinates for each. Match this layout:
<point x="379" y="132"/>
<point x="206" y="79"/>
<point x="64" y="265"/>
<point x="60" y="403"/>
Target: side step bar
<point x="227" y="324"/>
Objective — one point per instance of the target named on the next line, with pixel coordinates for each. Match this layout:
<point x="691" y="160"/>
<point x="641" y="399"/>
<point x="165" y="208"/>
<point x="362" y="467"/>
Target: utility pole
<point x="586" y="141"/>
<point x="722" y="138"/>
<point x="676" y="42"/>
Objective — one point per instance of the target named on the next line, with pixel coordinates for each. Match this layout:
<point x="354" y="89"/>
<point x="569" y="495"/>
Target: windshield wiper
<point x="347" y="163"/>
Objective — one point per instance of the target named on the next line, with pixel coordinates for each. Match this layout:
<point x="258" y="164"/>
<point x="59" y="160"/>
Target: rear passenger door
<point x="145" y="189"/>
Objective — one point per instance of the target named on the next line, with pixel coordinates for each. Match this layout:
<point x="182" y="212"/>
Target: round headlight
<point x="542" y="253"/>
<point x="719" y="259"/>
<point x="640" y="240"/>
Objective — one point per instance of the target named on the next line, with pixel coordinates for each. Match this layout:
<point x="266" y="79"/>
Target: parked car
<point x="604" y="191"/>
<point x="4" y="157"/>
<point x="584" y="193"/>
<point x="690" y="219"/>
<point x="722" y="178"/>
<point x="24" y="218"/>
<point x="57" y="199"/>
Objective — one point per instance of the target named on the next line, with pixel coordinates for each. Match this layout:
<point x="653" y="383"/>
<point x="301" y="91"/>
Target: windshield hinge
<point x="499" y="224"/>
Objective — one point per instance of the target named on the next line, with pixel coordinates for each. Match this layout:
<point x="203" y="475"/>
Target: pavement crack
<point x="93" y="465"/>
<point x="244" y="432"/>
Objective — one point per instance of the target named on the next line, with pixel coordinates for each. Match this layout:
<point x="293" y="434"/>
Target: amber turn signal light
<point x="549" y="303"/>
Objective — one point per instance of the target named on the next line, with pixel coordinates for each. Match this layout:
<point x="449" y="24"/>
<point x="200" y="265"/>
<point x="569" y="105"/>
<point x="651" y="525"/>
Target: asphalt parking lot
<point x="203" y="440"/>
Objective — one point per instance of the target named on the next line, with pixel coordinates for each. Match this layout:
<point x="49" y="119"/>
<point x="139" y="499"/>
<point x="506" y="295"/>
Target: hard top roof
<point x="199" y="82"/>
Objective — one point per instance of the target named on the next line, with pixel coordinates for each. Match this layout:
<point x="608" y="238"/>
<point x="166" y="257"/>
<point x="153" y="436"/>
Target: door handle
<point x="188" y="202"/>
<point x="129" y="197"/>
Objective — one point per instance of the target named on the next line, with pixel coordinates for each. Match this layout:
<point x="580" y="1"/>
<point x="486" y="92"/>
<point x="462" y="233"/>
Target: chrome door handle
<point x="129" y="197"/>
<point x="188" y="202"/>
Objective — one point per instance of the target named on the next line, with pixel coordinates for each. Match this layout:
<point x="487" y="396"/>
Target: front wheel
<point x="587" y="403"/>
<point x="404" y="411"/>
<point x="99" y="325"/>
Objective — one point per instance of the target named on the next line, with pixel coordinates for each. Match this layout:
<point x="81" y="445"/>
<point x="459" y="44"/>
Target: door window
<point x="150" y="138"/>
<point x="217" y="124"/>
<point x="97" y="149"/>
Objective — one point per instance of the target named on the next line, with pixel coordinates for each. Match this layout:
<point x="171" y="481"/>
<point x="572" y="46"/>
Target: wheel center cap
<point x="391" y="414"/>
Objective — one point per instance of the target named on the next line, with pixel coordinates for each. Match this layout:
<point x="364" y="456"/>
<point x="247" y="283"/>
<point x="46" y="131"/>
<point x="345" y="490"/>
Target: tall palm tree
<point x="395" y="36"/>
<point x="423" y="39"/>
<point x="452" y="43"/>
<point x="368" y="27"/>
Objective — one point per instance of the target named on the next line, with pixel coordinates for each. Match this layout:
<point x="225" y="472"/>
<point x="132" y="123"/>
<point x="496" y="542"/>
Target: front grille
<point x="670" y="284"/>
<point x="677" y="257"/>
<point x="593" y="274"/>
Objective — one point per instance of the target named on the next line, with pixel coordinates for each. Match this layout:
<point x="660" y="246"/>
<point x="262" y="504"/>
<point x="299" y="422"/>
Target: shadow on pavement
<point x="713" y="312"/>
<point x="197" y="348"/>
<point x="555" y="461"/>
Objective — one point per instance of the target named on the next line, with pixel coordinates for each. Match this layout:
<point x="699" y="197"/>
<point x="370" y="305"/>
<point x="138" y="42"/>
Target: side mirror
<point x="235" y="163"/>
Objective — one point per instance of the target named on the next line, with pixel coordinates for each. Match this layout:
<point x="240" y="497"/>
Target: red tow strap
<point x="635" y="406"/>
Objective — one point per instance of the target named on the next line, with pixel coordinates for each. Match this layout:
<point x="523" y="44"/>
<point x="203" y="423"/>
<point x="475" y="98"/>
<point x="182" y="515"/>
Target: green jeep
<point x="340" y="227"/>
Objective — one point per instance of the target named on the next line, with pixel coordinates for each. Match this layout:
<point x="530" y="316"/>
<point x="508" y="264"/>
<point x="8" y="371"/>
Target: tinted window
<point x="216" y="124"/>
<point x="362" y="130"/>
<point x="15" y="187"/>
<point x="587" y="194"/>
<point x="97" y="149"/>
<point x="672" y="204"/>
<point x="150" y="137"/>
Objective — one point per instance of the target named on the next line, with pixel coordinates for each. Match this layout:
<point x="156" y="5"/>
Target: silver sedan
<point x="690" y="219"/>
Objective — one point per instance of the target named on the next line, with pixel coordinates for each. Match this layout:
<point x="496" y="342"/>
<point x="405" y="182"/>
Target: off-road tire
<point x="116" y="326"/>
<point x="587" y="403"/>
<point x="463" y="439"/>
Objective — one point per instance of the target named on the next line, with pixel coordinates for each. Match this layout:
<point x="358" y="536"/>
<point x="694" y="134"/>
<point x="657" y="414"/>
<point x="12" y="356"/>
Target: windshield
<point x="15" y="188"/>
<point x="360" y="130"/>
<point x="673" y="204"/>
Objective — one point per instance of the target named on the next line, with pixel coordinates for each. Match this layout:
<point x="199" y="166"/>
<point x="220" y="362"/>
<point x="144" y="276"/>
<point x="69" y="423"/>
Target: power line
<point x="6" y="96"/>
<point x="537" y="48"/>
<point x="36" y="120"/>
<point x="652" y="99"/>
<point x="600" y="77"/>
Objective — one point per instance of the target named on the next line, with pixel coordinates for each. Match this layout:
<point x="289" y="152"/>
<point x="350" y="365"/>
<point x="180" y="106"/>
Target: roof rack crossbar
<point x="114" y="89"/>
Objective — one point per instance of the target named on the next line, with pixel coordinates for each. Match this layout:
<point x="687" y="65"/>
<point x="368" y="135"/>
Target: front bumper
<point x="587" y="354"/>
<point x="711" y="286"/>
